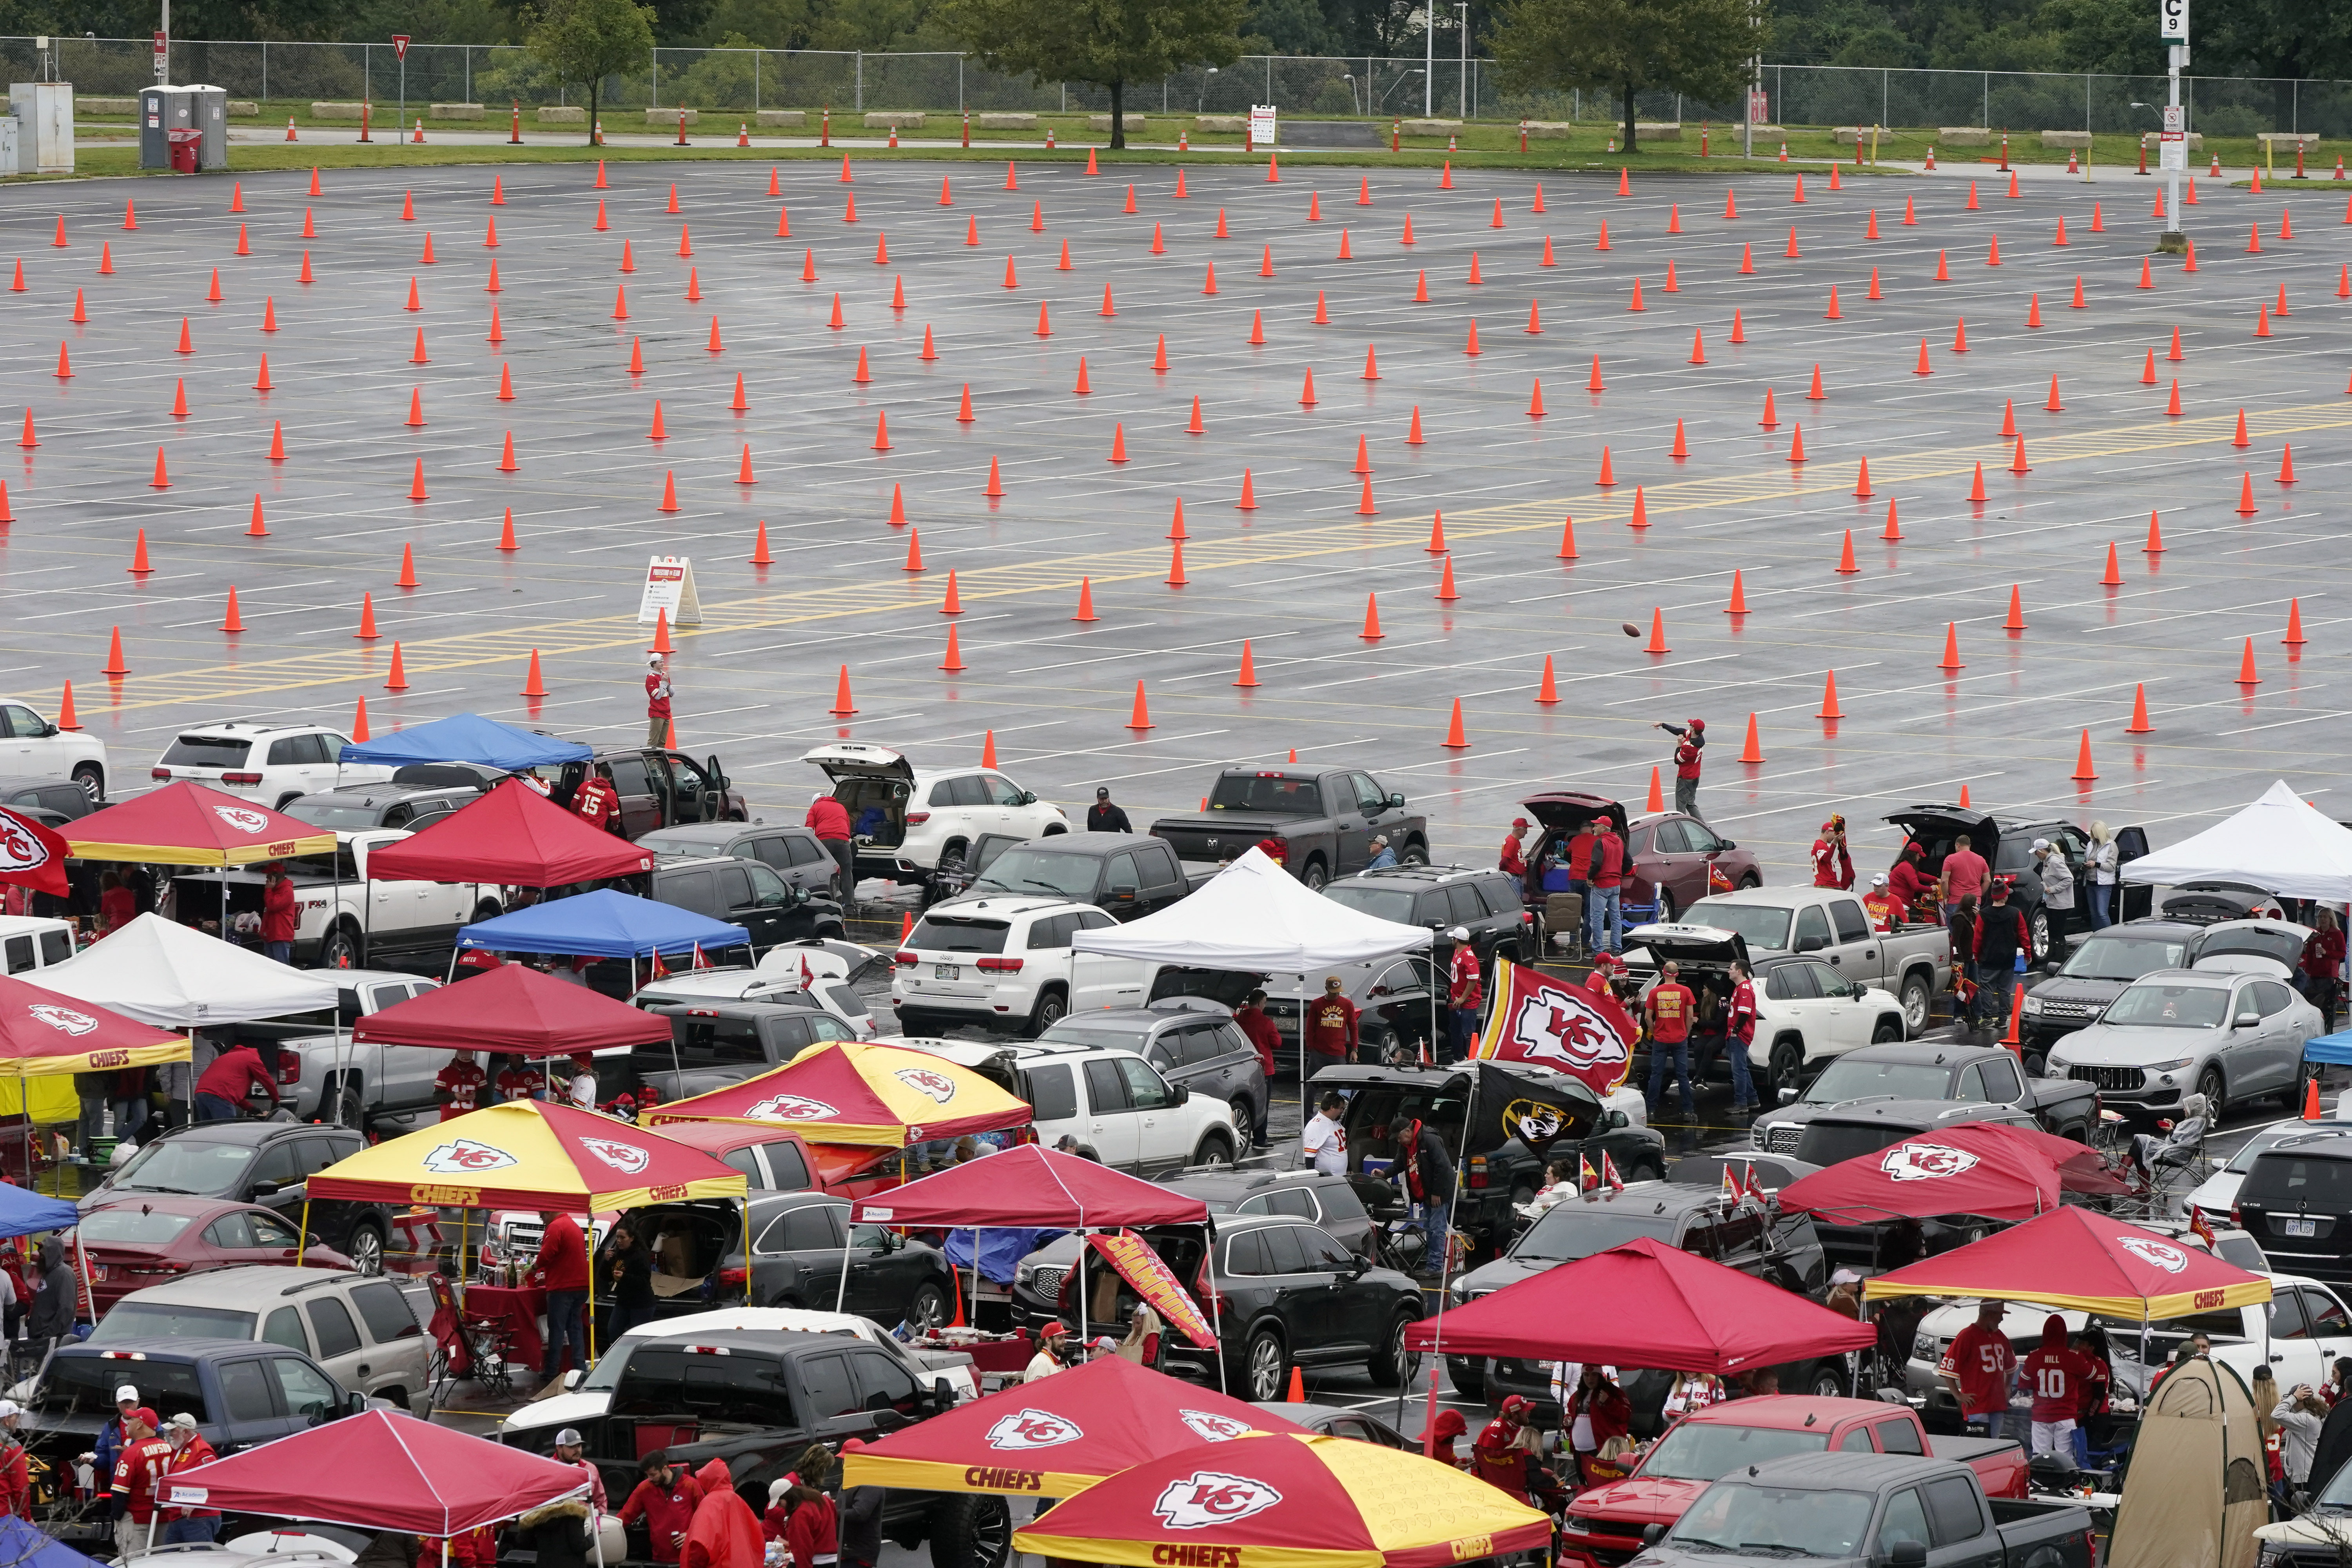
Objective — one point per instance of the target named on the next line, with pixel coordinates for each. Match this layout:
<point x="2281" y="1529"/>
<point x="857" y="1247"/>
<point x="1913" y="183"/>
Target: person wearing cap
<point x="113" y="1437"/>
<point x="1832" y="861"/>
<point x="1884" y="909"/>
<point x="15" y="1465"/>
<point x="2004" y="947"/>
<point x="657" y="694"/>
<point x="135" y="1492"/>
<point x="1668" y="1008"/>
<point x="189" y="1449"/>
<point x="569" y="1450"/>
<point x="2057" y="879"/>
<point x="829" y="820"/>
<point x="1384" y="858"/>
<point x="562" y="1269"/>
<point x="1690" y="742"/>
<point x="1909" y="882"/>
<point x="1604" y="870"/>
<point x="1104" y="816"/>
<point x="582" y="1092"/>
<point x="278" y="914"/>
<point x="1048" y="1359"/>
<point x="1466" y="995"/>
<point x="1331" y="1035"/>
<point x="1979" y="1366"/>
<point x="1511" y="859"/>
<point x="666" y="1498"/>
<point x="804" y="1519"/>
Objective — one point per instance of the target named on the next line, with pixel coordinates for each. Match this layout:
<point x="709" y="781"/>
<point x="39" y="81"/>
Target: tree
<point x="1109" y="43"/>
<point x="1700" y="48"/>
<point x="587" y="40"/>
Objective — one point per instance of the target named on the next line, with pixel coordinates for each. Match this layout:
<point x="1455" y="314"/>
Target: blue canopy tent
<point x="466" y="738"/>
<point x="23" y="1546"/>
<point x="2335" y="1048"/>
<point x="603" y="924"/>
<point x="26" y="1213"/>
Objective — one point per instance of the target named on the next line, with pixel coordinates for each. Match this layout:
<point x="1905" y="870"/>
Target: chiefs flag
<point x="1587" y="1035"/>
<point x="1141" y="1267"/>
<point x="31" y="856"/>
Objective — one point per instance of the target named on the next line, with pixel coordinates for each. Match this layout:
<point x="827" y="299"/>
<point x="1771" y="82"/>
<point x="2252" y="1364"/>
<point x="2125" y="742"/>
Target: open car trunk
<point x="687" y="1242"/>
<point x="873" y="784"/>
<point x="1935" y="827"/>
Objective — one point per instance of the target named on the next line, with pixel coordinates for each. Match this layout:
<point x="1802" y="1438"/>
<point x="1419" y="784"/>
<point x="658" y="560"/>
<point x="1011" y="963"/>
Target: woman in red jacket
<point x="806" y="1522"/>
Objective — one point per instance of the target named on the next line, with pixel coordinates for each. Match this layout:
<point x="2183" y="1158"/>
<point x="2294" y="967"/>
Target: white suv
<point x="269" y="763"/>
<point x="1116" y="1104"/>
<point x="1004" y="963"/>
<point x="907" y="819"/>
<point x="33" y="748"/>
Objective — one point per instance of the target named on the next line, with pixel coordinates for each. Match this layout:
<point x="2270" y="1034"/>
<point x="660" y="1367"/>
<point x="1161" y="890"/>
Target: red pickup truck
<point x="1605" y="1523"/>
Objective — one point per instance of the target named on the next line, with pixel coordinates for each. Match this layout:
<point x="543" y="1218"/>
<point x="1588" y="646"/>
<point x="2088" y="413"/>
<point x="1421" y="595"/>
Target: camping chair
<point x="466" y="1346"/>
<point x="2155" y="1166"/>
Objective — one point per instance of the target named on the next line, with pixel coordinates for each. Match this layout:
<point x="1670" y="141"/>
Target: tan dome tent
<point x="2194" y="1495"/>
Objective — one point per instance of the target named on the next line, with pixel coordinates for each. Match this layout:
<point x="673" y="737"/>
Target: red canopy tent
<point x="1030" y="1185"/>
<point x="45" y="1032"/>
<point x="379" y="1472"/>
<point x="515" y="1010"/>
<point x="513" y="835"/>
<point x="1998" y="1173"/>
<point x="187" y="823"/>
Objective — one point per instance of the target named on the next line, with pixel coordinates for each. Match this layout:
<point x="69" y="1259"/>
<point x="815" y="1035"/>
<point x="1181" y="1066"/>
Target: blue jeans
<point x="283" y="952"/>
<point x="213" y="1108"/>
<point x="1680" y="1049"/>
<point x="1602" y="925"/>
<point x="2101" y="896"/>
<point x="192" y="1529"/>
<point x="1743" y="1083"/>
<point x="1462" y="1032"/>
<point x="1432" y="1222"/>
<point x="565" y="1326"/>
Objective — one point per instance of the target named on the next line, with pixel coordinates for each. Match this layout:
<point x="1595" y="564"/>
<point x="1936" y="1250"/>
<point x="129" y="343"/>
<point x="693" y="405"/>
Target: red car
<point x="157" y="1237"/>
<point x="1672" y="854"/>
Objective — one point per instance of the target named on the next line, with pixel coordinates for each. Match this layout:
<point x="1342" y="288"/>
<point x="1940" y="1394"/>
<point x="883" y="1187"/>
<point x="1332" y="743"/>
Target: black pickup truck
<point x="1930" y="1069"/>
<point x="1325" y="822"/>
<point x="757" y="1399"/>
<point x="1850" y="1509"/>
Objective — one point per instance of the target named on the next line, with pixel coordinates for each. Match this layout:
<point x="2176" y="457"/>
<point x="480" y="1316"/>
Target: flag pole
<point x="1478" y="1052"/>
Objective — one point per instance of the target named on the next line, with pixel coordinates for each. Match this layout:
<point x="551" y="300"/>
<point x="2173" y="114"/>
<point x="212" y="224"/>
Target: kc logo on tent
<point x="1925" y="1161"/>
<point x="244" y="818"/>
<point x="625" y="1158"/>
<point x="1033" y="1428"/>
<point x="929" y="1081"/>
<point x="1213" y="1427"/>
<point x="1208" y="1497"/>
<point x="2160" y="1254"/>
<point x="464" y="1157"/>
<point x="64" y="1018"/>
<point x="792" y="1107"/>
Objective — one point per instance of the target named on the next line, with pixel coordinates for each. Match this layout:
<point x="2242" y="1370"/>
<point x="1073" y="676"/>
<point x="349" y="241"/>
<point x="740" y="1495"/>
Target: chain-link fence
<point x="744" y="80"/>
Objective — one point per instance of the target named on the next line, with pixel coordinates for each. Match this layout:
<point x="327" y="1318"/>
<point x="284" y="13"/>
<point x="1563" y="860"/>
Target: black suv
<point x="1439" y="898"/>
<point x="2007" y="845"/>
<point x="747" y="893"/>
<point x="1286" y="1293"/>
<point x="52" y="802"/>
<point x="1124" y="874"/>
<point x="1781" y="1250"/>
<point x="2296" y="1204"/>
<point x="798" y="1247"/>
<point x="265" y="1163"/>
<point x="795" y="854"/>
<point x="353" y="808"/>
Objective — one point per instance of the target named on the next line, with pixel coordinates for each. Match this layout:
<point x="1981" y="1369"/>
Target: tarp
<point x="25" y="1213"/>
<point x="2198" y="1486"/>
<point x="1283" y="1500"/>
<point x="602" y="924"/>
<point x="2279" y="843"/>
<point x="848" y="1091"/>
<point x="23" y="1546"/>
<point x="1057" y="1435"/>
<point x="1667" y="1309"/>
<point x="466" y="738"/>
<point x="1001" y="1250"/>
<point x="2073" y="1257"/>
<point x="514" y="835"/>
<point x="1998" y="1173"/>
<point x="45" y="1032"/>
<point x="173" y="976"/>
<point x="1253" y="915"/>
<point x="1031" y="1185"/>
<point x="515" y="1009"/>
<point x="528" y="1154"/>
<point x="379" y="1472"/>
<point x="2335" y="1050"/>
<point x="187" y="824"/>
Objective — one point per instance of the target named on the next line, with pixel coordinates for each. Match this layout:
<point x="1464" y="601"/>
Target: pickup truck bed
<point x="1325" y="822"/>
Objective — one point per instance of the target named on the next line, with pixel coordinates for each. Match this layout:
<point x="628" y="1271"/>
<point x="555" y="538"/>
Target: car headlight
<point x="1574" y="1526"/>
<point x="2170" y="1066"/>
<point x="1922" y="1348"/>
<point x="2033" y="1004"/>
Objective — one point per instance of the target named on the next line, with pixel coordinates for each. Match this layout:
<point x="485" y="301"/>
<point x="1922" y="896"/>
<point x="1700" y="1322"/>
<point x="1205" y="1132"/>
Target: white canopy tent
<point x="166" y="974"/>
<point x="2279" y="843"/>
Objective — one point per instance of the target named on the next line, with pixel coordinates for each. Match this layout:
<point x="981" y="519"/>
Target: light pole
<point x="1203" y="103"/>
<point x="1416" y="71"/>
<point x="1462" y="104"/>
<point x="1353" y="106"/>
<point x="1428" y="58"/>
<point x="2172" y="144"/>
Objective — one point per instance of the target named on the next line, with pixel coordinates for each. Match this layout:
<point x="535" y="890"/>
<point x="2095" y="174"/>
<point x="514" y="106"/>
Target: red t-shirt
<point x="1669" y="1007"/>
<point x="1330" y="1026"/>
<point x="1467" y="991"/>
<point x="2055" y="1380"/>
<point x="1981" y="1359"/>
<point x="1964" y="873"/>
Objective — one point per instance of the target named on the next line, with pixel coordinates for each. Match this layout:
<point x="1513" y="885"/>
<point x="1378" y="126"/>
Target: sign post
<point x="399" y="53"/>
<point x="164" y="54"/>
<point x="1261" y="126"/>
<point x="2172" y="142"/>
<point x="669" y="587"/>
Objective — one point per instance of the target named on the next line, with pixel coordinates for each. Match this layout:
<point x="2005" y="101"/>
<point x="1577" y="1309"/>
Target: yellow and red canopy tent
<point x="850" y="1091"/>
<point x="187" y="824"/>
<point x="2072" y="1256"/>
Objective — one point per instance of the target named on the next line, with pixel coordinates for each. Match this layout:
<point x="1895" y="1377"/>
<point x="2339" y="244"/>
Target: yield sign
<point x="400" y="46"/>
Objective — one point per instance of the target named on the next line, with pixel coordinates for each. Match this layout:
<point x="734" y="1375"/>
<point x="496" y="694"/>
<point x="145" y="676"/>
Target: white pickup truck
<point x="1913" y="962"/>
<point x="324" y="1076"/>
<point x="343" y="921"/>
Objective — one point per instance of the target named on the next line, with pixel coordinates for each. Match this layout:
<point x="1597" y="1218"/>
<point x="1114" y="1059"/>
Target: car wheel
<point x="1665" y="906"/>
<point x="340" y="950"/>
<point x="929" y="1309"/>
<point x="1266" y="1367"/>
<point x="1391" y="1365"/>
<point x="1788" y="1061"/>
<point x="1888" y="1032"/>
<point x="972" y="1531"/>
<point x="1414" y="855"/>
<point x="1052" y="830"/>
<point x="349" y="1109"/>
<point x="1049" y="1011"/>
<point x="396" y="1396"/>
<point x="488" y="910"/>
<point x="1215" y="1149"/>
<point x="2038" y="930"/>
<point x="1827" y="1383"/>
<point x="2037" y="1064"/>
<point x="1916" y="998"/>
<point x="92" y="782"/>
<point x="1750" y="880"/>
<point x="1468" y="1377"/>
<point x="2215" y="1088"/>
<point x="1313" y="875"/>
<point x="365" y="1248"/>
<point x="1244" y="1121"/>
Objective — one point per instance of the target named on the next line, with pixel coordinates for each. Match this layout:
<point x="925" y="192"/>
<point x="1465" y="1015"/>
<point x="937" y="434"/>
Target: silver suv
<point x="361" y="1329"/>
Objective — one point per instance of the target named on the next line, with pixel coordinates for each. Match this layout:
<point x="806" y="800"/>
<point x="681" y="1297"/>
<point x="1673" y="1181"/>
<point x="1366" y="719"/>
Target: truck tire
<point x="1314" y="874"/>
<point x="973" y="1530"/>
<point x="350" y="1107"/>
<point x="1468" y="1376"/>
<point x="1889" y="1031"/>
<point x="1788" y="1061"/>
<point x="488" y="910"/>
<point x="1826" y="1381"/>
<point x="1917" y="996"/>
<point x="1415" y="853"/>
<point x="342" y="948"/>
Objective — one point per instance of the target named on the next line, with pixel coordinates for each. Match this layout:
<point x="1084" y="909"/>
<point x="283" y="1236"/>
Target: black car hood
<point x="1488" y="1278"/>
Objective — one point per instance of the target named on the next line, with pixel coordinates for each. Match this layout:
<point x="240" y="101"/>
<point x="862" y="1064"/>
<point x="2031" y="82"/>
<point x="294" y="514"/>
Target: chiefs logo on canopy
<point x="1030" y="1428"/>
<point x="625" y="1158"/>
<point x="791" y="1108"/>
<point x="1207" y="1497"/>
<point x="244" y="818"/>
<point x="64" y="1018"/>
<point x="1925" y="1161"/>
<point x="464" y="1157"/>
<point x="2156" y="1254"/>
<point x="938" y="1085"/>
<point x="1214" y="1427"/>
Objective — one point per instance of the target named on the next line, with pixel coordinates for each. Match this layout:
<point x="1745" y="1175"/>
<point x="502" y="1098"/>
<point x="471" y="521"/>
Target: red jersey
<point x="666" y="1512"/>
<point x="194" y="1452"/>
<point x="1465" y="990"/>
<point x="1331" y="1026"/>
<point x="1981" y="1361"/>
<point x="1741" y="1019"/>
<point x="15" y="1481"/>
<point x="462" y="1082"/>
<point x="135" y="1474"/>
<point x="1832" y="865"/>
<point x="1261" y="1034"/>
<point x="656" y="696"/>
<point x="1669" y="1007"/>
<point x="1511" y="861"/>
<point x="596" y="801"/>
<point x="520" y="1082"/>
<point x="1687" y="757"/>
<point x="2056" y="1379"/>
<point x="1884" y="909"/>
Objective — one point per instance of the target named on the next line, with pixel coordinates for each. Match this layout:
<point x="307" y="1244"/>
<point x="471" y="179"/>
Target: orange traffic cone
<point x="1657" y="793"/>
<point x="114" y="664"/>
<point x="2247" y="674"/>
<point x="367" y="632"/>
<point x="2311" y="1111"/>
<point x="1141" y="717"/>
<point x="1829" y="708"/>
<point x="2295" y="638"/>
<point x="1248" y="676"/>
<point x="66" y="720"/>
<point x="1951" y="659"/>
<point x="2139" y="725"/>
<point x="1371" y="632"/>
<point x="843" y="704"/>
<point x="1657" y="643"/>
<point x="1548" y="690"/>
<point x="1753" y="750"/>
<point x="1455" y="740"/>
<point x="232" y="622"/>
<point x="2084" y="770"/>
<point x="532" y="686"/>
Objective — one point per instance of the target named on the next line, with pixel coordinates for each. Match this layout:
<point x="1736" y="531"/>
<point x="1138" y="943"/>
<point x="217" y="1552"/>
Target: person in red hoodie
<point x="562" y="1269"/>
<point x="1263" y="1034"/>
<point x="829" y="820"/>
<point x="278" y="914"/>
<point x="725" y="1533"/>
<point x="665" y="1499"/>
